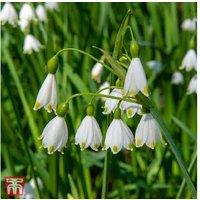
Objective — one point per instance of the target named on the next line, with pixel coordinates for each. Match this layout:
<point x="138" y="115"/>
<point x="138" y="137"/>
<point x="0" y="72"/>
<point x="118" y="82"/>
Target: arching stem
<point x="87" y="54"/>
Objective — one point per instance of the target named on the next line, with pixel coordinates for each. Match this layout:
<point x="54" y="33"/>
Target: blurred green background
<point x="142" y="173"/>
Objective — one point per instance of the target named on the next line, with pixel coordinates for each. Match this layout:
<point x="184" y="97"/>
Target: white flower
<point x="147" y="132"/>
<point x="97" y="72"/>
<point x="24" y="25"/>
<point x="8" y="14"/>
<point x="27" y="13"/>
<point x="106" y="91"/>
<point x="29" y="189"/>
<point x="131" y="108"/>
<point x="189" y="25"/>
<point x="55" y="135"/>
<point x="192" y="87"/>
<point x="41" y="13"/>
<point x="177" y="78"/>
<point x="47" y="95"/>
<point x="31" y="44"/>
<point x="111" y="104"/>
<point x="51" y="5"/>
<point x="190" y="60"/>
<point x="89" y="134"/>
<point x="154" y="65"/>
<point x="118" y="135"/>
<point x="135" y="80"/>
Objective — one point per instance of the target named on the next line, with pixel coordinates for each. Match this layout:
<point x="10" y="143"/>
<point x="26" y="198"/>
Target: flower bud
<point x="134" y="49"/>
<point x="52" y="65"/>
<point x="90" y="110"/>
<point x="62" y="109"/>
<point x="117" y="114"/>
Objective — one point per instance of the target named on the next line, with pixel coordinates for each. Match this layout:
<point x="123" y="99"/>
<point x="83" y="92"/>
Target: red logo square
<point x="14" y="185"/>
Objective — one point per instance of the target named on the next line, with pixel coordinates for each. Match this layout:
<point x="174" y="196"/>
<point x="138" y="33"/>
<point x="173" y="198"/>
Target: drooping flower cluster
<point x="118" y="135"/>
<point x="27" y="17"/>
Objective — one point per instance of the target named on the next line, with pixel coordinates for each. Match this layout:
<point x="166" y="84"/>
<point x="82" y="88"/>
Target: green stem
<point x="131" y="32"/>
<point x="194" y="158"/>
<point x="100" y="95"/>
<point x="87" y="54"/>
<point x="105" y="176"/>
<point x="111" y="87"/>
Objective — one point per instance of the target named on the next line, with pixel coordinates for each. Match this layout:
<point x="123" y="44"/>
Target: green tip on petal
<point x="163" y="142"/>
<point x="51" y="149"/>
<point x="61" y="151"/>
<point x="49" y="108"/>
<point x="115" y="149"/>
<point x="146" y="91"/>
<point x="130" y="146"/>
<point x="106" y="109"/>
<point x="95" y="147"/>
<point x="37" y="106"/>
<point x="151" y="145"/>
<point x="104" y="147"/>
<point x="130" y="112"/>
<point x="138" y="143"/>
<point x="82" y="145"/>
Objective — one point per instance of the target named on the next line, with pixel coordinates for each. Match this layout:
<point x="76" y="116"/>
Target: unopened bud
<point x="62" y="109"/>
<point x="134" y="49"/>
<point x="52" y="65"/>
<point x="90" y="110"/>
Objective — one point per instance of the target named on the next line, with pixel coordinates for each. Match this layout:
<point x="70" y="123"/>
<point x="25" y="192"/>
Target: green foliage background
<point x="142" y="173"/>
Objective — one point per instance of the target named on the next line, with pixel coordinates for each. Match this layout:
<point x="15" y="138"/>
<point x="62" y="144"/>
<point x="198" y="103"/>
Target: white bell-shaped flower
<point x="192" y="87"/>
<point x="29" y="189"/>
<point x="135" y="80"/>
<point x="177" y="78"/>
<point x="189" y="25"/>
<point x="89" y="134"/>
<point x="111" y="104"/>
<point x="24" y="25"/>
<point x="118" y="135"/>
<point x="47" y="95"/>
<point x="41" y="13"/>
<point x="51" y="5"/>
<point x="189" y="61"/>
<point x="147" y="132"/>
<point x="106" y="91"/>
<point x="27" y="12"/>
<point x="8" y="14"/>
<point x="131" y="108"/>
<point x="97" y="72"/>
<point x="31" y="44"/>
<point x="55" y="134"/>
